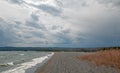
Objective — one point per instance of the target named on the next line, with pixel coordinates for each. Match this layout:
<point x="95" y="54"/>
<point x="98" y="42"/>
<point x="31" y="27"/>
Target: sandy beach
<point x="67" y="62"/>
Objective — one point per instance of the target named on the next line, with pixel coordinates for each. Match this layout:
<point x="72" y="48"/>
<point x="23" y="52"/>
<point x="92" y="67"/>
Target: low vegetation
<point x="109" y="57"/>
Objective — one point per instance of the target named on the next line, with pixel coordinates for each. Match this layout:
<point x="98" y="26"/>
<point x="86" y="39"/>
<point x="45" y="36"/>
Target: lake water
<point x="21" y="61"/>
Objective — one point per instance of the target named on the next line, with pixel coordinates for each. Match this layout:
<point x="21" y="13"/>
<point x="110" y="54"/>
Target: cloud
<point x="110" y="2"/>
<point x="35" y="24"/>
<point x="16" y="1"/>
<point x="7" y="33"/>
<point x="53" y="10"/>
<point x="49" y="9"/>
<point x="63" y="37"/>
<point x="33" y="21"/>
<point x="34" y="17"/>
<point x="60" y="22"/>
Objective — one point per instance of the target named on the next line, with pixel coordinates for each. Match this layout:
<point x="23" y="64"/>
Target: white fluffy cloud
<point x="59" y="22"/>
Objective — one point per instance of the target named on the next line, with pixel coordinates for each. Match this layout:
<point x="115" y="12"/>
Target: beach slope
<point x="67" y="62"/>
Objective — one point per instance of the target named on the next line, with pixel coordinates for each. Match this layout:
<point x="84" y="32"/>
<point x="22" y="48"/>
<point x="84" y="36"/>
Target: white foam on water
<point x="27" y="65"/>
<point x="21" y="54"/>
<point x="10" y="63"/>
<point x="7" y="64"/>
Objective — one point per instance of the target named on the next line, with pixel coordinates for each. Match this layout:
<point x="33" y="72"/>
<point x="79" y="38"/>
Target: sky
<point x="60" y="23"/>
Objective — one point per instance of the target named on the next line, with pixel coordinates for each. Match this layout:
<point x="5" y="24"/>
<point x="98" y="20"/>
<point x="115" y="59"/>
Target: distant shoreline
<point x="55" y="49"/>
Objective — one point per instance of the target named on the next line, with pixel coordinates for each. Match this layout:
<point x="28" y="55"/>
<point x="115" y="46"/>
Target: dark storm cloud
<point x="54" y="27"/>
<point x="33" y="22"/>
<point x="63" y="38"/>
<point x="87" y="22"/>
<point x="17" y="22"/>
<point x="107" y="2"/>
<point x="46" y="8"/>
<point x="49" y="9"/>
<point x="39" y="34"/>
<point x="2" y="36"/>
<point x="7" y="34"/>
<point x="15" y="1"/>
<point x="34" y="17"/>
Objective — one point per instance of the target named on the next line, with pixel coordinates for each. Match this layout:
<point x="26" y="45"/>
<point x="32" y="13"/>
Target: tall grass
<point x="107" y="57"/>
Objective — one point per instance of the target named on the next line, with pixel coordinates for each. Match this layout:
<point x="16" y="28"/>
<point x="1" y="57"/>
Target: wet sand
<point x="67" y="62"/>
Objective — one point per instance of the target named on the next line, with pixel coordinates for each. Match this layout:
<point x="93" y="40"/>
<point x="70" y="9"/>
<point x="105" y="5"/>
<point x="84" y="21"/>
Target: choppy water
<point x="19" y="61"/>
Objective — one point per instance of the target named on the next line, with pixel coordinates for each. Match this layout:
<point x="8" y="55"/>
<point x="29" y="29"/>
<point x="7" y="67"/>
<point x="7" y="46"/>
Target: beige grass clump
<point x="107" y="57"/>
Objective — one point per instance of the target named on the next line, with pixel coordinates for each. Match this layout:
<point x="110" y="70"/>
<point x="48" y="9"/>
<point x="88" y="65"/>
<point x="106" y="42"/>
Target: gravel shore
<point x="67" y="62"/>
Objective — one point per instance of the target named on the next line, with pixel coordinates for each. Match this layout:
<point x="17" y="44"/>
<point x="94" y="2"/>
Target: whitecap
<point x="21" y="54"/>
<point x="10" y="63"/>
<point x="7" y="64"/>
<point x="27" y="65"/>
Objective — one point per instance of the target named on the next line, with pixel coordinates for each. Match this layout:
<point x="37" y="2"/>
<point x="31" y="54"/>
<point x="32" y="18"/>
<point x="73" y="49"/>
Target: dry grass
<point x="107" y="57"/>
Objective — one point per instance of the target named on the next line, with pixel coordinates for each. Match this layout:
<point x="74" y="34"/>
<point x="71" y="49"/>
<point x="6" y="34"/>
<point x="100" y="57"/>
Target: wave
<point x="27" y="65"/>
<point x="21" y="54"/>
<point x="7" y="64"/>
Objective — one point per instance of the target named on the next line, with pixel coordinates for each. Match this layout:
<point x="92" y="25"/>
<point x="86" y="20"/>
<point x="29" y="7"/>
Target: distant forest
<point x="55" y="49"/>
